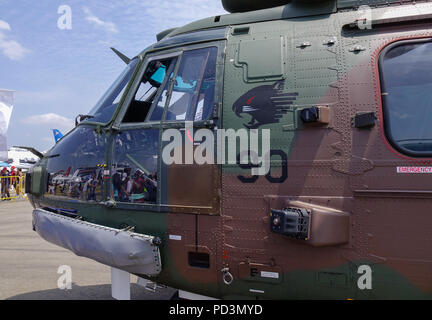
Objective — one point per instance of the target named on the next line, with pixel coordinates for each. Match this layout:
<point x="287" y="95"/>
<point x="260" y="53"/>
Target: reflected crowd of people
<point x="86" y="184"/>
<point x="136" y="187"/>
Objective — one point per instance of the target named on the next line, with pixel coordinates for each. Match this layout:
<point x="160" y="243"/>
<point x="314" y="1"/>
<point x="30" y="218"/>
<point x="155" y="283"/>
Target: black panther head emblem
<point x="266" y="104"/>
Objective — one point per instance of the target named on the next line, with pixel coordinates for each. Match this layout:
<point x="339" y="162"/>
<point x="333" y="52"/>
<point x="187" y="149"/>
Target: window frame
<point x="134" y="89"/>
<point x="171" y="53"/>
<point x="384" y="99"/>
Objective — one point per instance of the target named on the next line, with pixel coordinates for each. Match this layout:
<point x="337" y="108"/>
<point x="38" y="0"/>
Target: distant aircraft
<point x="24" y="157"/>
<point x="57" y="135"/>
<point x="21" y="158"/>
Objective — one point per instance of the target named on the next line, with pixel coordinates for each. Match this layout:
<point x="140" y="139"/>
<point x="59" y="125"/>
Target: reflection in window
<point x="106" y="106"/>
<point x="406" y="74"/>
<point x="75" y="166"/>
<point x="134" y="171"/>
<point x="193" y="93"/>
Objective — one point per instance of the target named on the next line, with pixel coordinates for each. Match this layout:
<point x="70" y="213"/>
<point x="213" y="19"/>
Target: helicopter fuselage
<point x="342" y="211"/>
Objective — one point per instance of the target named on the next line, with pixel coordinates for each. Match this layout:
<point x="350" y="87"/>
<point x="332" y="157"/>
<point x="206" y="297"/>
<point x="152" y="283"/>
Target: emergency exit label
<point x="414" y="169"/>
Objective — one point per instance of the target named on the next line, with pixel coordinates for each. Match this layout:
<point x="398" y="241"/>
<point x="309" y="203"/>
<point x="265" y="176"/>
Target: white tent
<point x="6" y="107"/>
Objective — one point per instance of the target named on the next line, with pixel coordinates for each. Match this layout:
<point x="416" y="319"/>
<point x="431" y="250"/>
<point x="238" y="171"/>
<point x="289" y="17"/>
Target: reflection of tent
<point x="4" y="164"/>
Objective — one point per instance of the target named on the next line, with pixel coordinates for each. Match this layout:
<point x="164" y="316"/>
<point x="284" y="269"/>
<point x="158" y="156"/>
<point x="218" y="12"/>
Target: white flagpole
<point x="6" y="107"/>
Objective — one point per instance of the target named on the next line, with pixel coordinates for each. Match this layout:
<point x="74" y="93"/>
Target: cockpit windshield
<point x="106" y="106"/>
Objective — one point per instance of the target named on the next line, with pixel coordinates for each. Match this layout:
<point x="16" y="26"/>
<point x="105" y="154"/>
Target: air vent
<point x="364" y="120"/>
<point x="199" y="260"/>
<point x="240" y="31"/>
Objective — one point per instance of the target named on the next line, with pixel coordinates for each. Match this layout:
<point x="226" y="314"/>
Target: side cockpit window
<point x="406" y="85"/>
<point x="192" y="95"/>
<point x="179" y="88"/>
<point x="75" y="166"/>
<point x="154" y="77"/>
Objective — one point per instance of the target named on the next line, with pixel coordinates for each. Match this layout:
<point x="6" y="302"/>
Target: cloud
<point x="107" y="26"/>
<point x="51" y="120"/>
<point x="4" y="25"/>
<point x="10" y="48"/>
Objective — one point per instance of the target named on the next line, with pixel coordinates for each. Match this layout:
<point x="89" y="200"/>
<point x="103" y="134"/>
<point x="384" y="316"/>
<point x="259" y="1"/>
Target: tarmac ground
<point x="29" y="265"/>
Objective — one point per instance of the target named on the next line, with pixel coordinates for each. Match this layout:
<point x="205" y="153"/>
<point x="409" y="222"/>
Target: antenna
<point x="121" y="55"/>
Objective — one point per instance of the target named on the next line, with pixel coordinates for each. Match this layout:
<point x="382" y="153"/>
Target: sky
<point x="60" y="67"/>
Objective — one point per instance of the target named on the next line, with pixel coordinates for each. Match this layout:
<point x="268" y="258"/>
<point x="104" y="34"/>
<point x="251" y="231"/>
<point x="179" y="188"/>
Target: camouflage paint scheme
<point x="363" y="211"/>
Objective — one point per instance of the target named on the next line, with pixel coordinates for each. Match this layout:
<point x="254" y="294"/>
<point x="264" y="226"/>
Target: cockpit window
<point x="185" y="94"/>
<point x="76" y="166"/>
<point x="106" y="106"/>
<point x="153" y="78"/>
<point x="406" y="84"/>
<point x="192" y="96"/>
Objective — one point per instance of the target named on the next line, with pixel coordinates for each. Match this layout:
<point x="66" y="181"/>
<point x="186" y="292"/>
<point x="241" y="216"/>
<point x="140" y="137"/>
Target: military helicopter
<point x="342" y="92"/>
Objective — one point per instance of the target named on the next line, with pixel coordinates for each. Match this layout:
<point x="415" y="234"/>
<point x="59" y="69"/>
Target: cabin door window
<point x="135" y="166"/>
<point x="406" y="90"/>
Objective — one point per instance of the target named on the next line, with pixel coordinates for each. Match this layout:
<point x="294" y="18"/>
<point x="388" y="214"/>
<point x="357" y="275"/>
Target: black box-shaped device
<point x="292" y="222"/>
